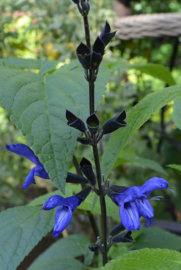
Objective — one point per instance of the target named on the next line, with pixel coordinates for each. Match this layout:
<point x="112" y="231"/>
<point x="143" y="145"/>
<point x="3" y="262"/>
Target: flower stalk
<point x="90" y="80"/>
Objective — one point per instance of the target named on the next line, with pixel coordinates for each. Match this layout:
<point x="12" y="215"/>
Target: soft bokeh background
<point x="43" y="29"/>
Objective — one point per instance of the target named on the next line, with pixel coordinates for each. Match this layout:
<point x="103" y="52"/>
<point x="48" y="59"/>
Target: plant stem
<point x="96" y="155"/>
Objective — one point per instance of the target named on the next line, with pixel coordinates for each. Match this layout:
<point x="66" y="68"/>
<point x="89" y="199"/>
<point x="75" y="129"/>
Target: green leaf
<point x="44" y="65"/>
<point x="61" y="254"/>
<point x="20" y="231"/>
<point x="37" y="104"/>
<point x="146" y="259"/>
<point x="136" y="117"/>
<point x="59" y="264"/>
<point x="47" y="66"/>
<point x="147" y="163"/>
<point x="8" y="65"/>
<point x="154" y="70"/>
<point x="157" y="238"/>
<point x="23" y="63"/>
<point x="176" y="116"/>
<point x="175" y="166"/>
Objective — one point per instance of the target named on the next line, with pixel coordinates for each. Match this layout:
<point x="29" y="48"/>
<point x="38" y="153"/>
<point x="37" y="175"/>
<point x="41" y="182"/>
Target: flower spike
<point x="115" y="123"/>
<point x="75" y="122"/>
<point x="86" y="168"/>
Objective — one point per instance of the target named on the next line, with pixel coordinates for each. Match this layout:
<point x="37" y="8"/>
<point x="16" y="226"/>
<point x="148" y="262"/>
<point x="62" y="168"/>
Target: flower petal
<point x="145" y="209"/>
<point x="153" y="184"/>
<point x="29" y="179"/>
<point x="129" y="216"/>
<point x="73" y="202"/>
<point x="23" y="151"/>
<point x="149" y="220"/>
<point x="40" y="171"/>
<point x="173" y="191"/>
<point x="54" y="201"/>
<point x="63" y="217"/>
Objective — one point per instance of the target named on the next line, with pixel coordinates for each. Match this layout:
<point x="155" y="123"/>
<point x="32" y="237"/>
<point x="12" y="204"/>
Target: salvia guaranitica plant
<point x="133" y="202"/>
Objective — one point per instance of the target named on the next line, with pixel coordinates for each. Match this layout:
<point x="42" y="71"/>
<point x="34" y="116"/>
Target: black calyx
<point x="74" y="178"/>
<point x="106" y="34"/>
<point x="84" y="193"/>
<point x="84" y="55"/>
<point x="87" y="170"/>
<point x="115" y="190"/>
<point x="115" y="123"/>
<point x="85" y="141"/>
<point x="117" y="229"/>
<point x="123" y="238"/>
<point x="93" y="123"/>
<point x="94" y="248"/>
<point x="76" y="1"/>
<point x="75" y="122"/>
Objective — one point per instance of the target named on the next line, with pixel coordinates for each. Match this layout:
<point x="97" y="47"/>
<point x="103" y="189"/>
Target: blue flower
<point x="24" y="151"/>
<point x="66" y="206"/>
<point x="133" y="202"/>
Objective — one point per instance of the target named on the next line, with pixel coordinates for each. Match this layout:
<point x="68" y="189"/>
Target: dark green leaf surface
<point x="7" y="65"/>
<point x="23" y="63"/>
<point x="175" y="166"/>
<point x="136" y="117"/>
<point x="61" y="254"/>
<point x="37" y="104"/>
<point x="147" y="259"/>
<point x="176" y="116"/>
<point x="157" y="238"/>
<point x="43" y="65"/>
<point x="20" y="232"/>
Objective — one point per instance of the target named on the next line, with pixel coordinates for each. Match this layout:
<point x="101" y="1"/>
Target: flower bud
<point x="86" y="168"/>
<point x="84" y="55"/>
<point x="115" y="123"/>
<point x="74" y="178"/>
<point x="106" y="34"/>
<point x="75" y="122"/>
<point x="117" y="229"/>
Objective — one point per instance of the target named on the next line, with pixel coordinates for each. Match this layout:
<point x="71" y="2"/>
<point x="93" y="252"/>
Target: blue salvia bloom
<point x="39" y="170"/>
<point x="134" y="203"/>
<point x="66" y="206"/>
